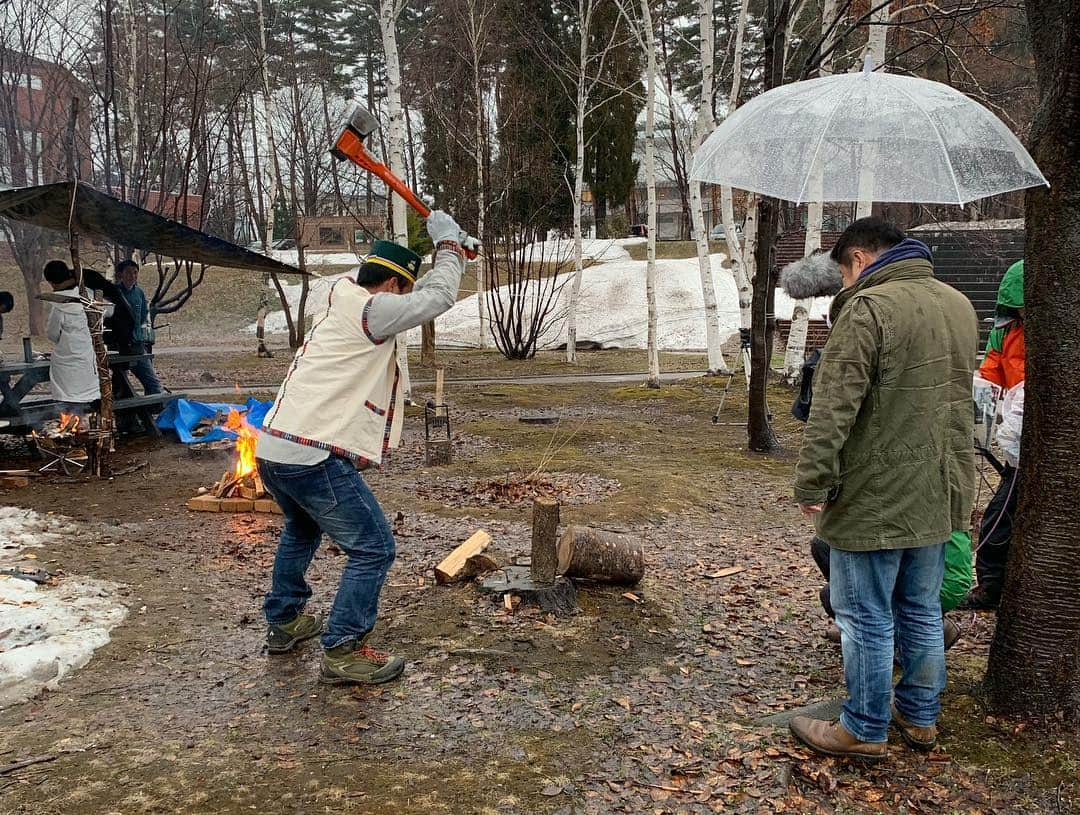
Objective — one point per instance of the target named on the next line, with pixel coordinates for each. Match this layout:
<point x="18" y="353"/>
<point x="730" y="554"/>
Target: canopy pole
<point x="100" y="442"/>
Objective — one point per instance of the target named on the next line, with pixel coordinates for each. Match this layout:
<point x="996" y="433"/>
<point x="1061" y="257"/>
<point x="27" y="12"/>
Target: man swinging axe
<point x="339" y="409"/>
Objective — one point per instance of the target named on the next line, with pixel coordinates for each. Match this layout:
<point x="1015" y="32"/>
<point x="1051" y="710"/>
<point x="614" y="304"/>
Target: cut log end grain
<point x="453" y="566"/>
<point x="601" y="556"/>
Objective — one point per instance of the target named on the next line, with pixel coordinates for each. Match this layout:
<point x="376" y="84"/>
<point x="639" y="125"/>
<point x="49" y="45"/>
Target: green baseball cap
<point x="400" y="259"/>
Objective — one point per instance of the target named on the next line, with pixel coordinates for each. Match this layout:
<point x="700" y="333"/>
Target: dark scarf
<point x="907" y="249"/>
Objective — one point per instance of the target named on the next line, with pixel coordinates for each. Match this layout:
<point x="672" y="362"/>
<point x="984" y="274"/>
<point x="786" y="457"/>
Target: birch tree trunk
<point x="795" y="353"/>
<point x="650" y="186"/>
<point x="476" y="37"/>
<point x="579" y="172"/>
<point x="388" y="15"/>
<point x="1034" y="665"/>
<point x="742" y="257"/>
<point x="702" y="129"/>
<point x="271" y="194"/>
<point x="875" y="48"/>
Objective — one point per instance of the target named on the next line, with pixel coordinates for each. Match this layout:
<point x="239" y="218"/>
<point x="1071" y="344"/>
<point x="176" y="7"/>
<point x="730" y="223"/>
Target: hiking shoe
<point x="833" y="739"/>
<point x="952" y="632"/>
<point x="981" y="598"/>
<point x="918" y="738"/>
<point x="349" y="664"/>
<point x="282" y="637"/>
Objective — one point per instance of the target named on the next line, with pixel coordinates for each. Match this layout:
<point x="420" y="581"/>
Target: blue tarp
<point x="182" y="416"/>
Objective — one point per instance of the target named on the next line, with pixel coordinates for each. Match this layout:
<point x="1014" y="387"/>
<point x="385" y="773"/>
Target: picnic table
<point x="19" y="414"/>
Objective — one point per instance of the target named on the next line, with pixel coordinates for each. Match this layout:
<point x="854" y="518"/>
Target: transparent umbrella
<point x="866" y="136"/>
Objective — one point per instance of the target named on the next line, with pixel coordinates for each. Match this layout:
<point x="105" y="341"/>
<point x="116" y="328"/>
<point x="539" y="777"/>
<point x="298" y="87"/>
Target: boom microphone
<point x="816" y="275"/>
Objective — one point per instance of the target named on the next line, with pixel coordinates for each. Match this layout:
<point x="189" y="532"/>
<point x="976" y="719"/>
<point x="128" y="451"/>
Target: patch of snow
<point x="562" y="249"/>
<point x="47" y="631"/>
<point x="316" y="259"/>
<point x="611" y="313"/>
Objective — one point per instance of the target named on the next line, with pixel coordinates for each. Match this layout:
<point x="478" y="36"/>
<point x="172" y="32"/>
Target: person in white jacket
<point x="339" y="409"/>
<point x="73" y="375"/>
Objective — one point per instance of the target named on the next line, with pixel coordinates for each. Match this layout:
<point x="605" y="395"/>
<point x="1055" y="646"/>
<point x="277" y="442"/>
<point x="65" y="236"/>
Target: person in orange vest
<point x="1003" y="367"/>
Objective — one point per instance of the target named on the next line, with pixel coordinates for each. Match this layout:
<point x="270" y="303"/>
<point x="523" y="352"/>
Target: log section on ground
<point x="453" y="566"/>
<point x="545" y="533"/>
<point x="601" y="556"/>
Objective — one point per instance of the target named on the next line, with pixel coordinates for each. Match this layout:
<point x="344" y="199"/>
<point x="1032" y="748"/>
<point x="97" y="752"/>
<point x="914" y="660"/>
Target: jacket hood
<point x="1011" y="290"/>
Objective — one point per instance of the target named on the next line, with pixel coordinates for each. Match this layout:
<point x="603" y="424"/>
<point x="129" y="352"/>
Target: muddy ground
<point x="643" y="703"/>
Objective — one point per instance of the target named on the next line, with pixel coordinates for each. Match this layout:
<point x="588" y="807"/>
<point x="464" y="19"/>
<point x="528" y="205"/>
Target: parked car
<point x="639" y="230"/>
<point x="280" y="243"/>
<point x="718" y="234"/>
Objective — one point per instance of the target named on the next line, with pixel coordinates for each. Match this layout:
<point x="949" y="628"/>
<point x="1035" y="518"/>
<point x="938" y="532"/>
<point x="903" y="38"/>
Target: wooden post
<point x="440" y="374"/>
<point x="98" y="452"/>
<point x="545" y="530"/>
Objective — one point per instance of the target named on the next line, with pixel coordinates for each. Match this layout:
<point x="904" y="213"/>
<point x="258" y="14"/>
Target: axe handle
<point x="351" y="146"/>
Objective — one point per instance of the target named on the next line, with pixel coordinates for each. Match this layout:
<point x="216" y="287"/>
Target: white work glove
<point x="441" y="227"/>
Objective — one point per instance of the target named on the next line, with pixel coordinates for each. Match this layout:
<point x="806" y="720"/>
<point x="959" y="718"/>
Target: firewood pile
<point x="240" y="489"/>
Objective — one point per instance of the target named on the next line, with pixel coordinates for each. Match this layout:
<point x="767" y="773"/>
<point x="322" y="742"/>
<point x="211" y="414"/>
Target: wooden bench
<point x="145" y="408"/>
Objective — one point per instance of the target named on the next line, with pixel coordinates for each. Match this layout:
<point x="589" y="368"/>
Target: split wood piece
<point x="227" y="482"/>
<point x="438" y="453"/>
<point x="205" y="503"/>
<point x="11" y="482"/>
<point x="252" y="493"/>
<point x="453" y="566"/>
<point x="545" y="533"/>
<point x="237" y="505"/>
<point x="559" y="597"/>
<point x="601" y="556"/>
<point x="267" y="505"/>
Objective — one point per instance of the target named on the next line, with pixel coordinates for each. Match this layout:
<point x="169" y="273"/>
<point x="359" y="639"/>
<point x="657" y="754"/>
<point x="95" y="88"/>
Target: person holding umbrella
<point x="887" y="471"/>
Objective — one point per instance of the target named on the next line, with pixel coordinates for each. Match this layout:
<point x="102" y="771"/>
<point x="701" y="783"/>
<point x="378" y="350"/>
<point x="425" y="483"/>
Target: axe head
<point x="359" y="124"/>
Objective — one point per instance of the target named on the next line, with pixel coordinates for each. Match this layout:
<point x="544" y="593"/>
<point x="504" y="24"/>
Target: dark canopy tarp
<point x="103" y="217"/>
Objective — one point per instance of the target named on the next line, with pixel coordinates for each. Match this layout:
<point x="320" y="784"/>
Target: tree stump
<point x="601" y="556"/>
<point x="545" y="533"/>
<point x="558" y="597"/>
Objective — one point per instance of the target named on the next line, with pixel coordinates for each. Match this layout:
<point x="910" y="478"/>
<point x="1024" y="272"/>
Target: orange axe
<point x="359" y="124"/>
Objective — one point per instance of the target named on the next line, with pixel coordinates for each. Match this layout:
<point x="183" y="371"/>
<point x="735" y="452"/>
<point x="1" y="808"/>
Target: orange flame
<point x="69" y="423"/>
<point x="246" y="436"/>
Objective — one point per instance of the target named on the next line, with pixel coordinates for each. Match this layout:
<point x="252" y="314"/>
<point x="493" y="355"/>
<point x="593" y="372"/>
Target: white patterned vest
<point x="341" y="393"/>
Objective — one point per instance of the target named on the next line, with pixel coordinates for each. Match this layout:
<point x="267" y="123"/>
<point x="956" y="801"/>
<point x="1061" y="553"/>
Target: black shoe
<point x="952" y="632"/>
<point x="982" y="598"/>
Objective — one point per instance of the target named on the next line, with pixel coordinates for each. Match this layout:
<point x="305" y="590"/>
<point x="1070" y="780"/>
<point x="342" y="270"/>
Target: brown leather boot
<point x="918" y="738"/>
<point x="832" y="739"/>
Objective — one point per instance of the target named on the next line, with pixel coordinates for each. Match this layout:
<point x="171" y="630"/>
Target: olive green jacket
<point x="888" y="446"/>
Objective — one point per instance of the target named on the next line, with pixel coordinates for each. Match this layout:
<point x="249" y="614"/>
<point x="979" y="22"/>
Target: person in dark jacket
<point x="127" y="276"/>
<point x="887" y="472"/>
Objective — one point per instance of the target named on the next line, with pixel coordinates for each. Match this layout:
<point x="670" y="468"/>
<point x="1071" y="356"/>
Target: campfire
<point x="240" y="489"/>
<point x="62" y="443"/>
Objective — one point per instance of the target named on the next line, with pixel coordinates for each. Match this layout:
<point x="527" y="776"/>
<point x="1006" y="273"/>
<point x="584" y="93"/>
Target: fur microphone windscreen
<point x="814" y="276"/>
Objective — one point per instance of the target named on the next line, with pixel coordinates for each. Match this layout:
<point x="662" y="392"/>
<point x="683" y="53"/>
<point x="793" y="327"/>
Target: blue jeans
<point x="144" y="370"/>
<point x="881" y="598"/>
<point x="331" y="498"/>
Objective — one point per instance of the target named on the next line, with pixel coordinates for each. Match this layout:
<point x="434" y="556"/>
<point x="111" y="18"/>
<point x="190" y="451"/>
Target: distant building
<point x="341" y="233"/>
